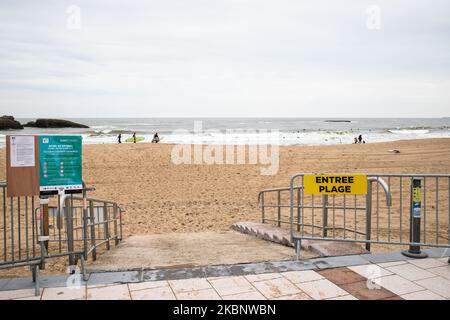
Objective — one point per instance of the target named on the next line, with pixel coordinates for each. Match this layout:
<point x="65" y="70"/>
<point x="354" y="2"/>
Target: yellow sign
<point x="417" y="195"/>
<point x="335" y="184"/>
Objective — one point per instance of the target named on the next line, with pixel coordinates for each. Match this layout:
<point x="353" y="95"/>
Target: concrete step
<point x="282" y="236"/>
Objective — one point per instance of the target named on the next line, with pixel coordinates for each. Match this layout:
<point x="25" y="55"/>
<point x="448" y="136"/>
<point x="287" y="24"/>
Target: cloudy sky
<point x="234" y="58"/>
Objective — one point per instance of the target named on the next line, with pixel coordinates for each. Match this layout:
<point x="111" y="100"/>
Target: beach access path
<point x="383" y="276"/>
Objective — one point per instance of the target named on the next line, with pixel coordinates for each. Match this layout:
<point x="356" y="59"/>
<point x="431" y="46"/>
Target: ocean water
<point x="282" y="131"/>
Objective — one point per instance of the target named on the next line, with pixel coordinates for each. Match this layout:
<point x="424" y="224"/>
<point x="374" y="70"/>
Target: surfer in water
<point x="119" y="138"/>
<point x="134" y="137"/>
<point x="155" y="138"/>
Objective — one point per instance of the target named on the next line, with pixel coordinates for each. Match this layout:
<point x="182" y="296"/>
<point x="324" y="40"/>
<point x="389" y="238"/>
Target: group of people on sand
<point x="359" y="140"/>
<point x="154" y="140"/>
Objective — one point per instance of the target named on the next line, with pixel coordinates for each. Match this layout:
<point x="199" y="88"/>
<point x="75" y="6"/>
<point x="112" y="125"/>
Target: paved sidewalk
<point x="389" y="276"/>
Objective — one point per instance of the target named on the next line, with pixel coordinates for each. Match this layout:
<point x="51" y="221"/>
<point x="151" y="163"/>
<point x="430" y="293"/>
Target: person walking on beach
<point x="356" y="140"/>
<point x="155" y="138"/>
<point x="119" y="138"/>
<point x="134" y="137"/>
<point x="360" y="138"/>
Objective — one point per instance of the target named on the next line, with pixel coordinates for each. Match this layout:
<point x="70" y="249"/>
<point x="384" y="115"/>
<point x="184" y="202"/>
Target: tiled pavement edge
<point x="373" y="276"/>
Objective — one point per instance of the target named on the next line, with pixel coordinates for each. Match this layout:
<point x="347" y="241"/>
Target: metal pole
<point x="46" y="231"/>
<point x="92" y="224"/>
<point x="325" y="215"/>
<point x="43" y="238"/>
<point x="368" y="214"/>
<point x="69" y="231"/>
<point x="279" y="208"/>
<point x="262" y="208"/>
<point x="415" y="212"/>
<point x="116" y="241"/>
<point x="85" y="217"/>
<point x="106" y="224"/>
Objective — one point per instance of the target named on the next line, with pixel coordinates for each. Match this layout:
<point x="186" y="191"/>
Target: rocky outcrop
<point x="8" y="122"/>
<point x="54" y="123"/>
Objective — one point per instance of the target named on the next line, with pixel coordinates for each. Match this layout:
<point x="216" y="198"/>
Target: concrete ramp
<point x="281" y="236"/>
<point x="187" y="250"/>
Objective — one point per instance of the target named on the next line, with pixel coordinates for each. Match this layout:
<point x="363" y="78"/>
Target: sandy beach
<point x="161" y="197"/>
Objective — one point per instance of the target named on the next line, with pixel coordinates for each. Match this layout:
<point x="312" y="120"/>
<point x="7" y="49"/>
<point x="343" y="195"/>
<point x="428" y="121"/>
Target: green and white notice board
<point x="60" y="163"/>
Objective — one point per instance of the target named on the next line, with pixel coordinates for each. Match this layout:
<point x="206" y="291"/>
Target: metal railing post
<point x="85" y="222"/>
<point x="368" y="214"/>
<point x="69" y="230"/>
<point x="415" y="217"/>
<point x="106" y="224"/>
<point x="116" y="242"/>
<point x="279" y="209"/>
<point x="324" y="215"/>
<point x="298" y="209"/>
<point x="263" y="213"/>
<point x="92" y="224"/>
<point x="43" y="202"/>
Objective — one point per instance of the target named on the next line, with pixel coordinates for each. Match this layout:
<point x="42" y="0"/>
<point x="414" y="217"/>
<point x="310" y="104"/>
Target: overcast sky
<point x="290" y="58"/>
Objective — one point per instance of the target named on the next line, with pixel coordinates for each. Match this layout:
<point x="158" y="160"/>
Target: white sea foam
<point x="410" y="131"/>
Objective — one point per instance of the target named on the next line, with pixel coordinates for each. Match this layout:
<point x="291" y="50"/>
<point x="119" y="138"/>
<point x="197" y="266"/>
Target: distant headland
<point x="8" y="122"/>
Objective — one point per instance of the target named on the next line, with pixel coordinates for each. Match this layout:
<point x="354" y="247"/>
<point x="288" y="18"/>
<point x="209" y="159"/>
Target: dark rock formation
<point x="54" y="123"/>
<point x="8" y="122"/>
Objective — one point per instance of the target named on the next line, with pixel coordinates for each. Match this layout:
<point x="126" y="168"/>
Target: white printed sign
<point x="22" y="151"/>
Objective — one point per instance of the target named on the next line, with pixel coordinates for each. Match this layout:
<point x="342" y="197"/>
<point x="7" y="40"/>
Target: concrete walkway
<point x="384" y="276"/>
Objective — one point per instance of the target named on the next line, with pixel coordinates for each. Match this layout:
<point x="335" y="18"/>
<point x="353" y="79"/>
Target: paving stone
<point x="411" y="272"/>
<point x="427" y="263"/>
<point x="391" y="264"/>
<point x="184" y="285"/>
<point x="384" y="257"/>
<point x="442" y="271"/>
<point x="336" y="262"/>
<point x="61" y="281"/>
<point x="393" y="298"/>
<point x="30" y="298"/>
<point x="17" y="294"/>
<point x="114" y="277"/>
<point x="370" y="271"/>
<point x="341" y="275"/>
<point x="147" y="285"/>
<point x="18" y="283"/>
<point x="275" y="288"/>
<point x="346" y="297"/>
<point x="321" y="289"/>
<point x="302" y="276"/>
<point x="397" y="284"/>
<point x="437" y="252"/>
<point x="112" y="292"/>
<point x="64" y="293"/>
<point x="438" y="285"/>
<point x="154" y="293"/>
<point x="365" y="290"/>
<point x="296" y="296"/>
<point x="262" y="276"/>
<point x="422" y="295"/>
<point x="206" y="294"/>
<point x="444" y="259"/>
<point x="232" y="285"/>
<point x="284" y="266"/>
<point x="3" y="283"/>
<point x="173" y="274"/>
<point x="254" y="295"/>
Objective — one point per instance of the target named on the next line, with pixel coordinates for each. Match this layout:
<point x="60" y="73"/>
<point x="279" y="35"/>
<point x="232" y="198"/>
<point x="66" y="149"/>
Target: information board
<point x="22" y="151"/>
<point x="60" y="163"/>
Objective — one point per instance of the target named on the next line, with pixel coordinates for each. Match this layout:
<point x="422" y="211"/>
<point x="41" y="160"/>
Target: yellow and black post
<point x="415" y="218"/>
